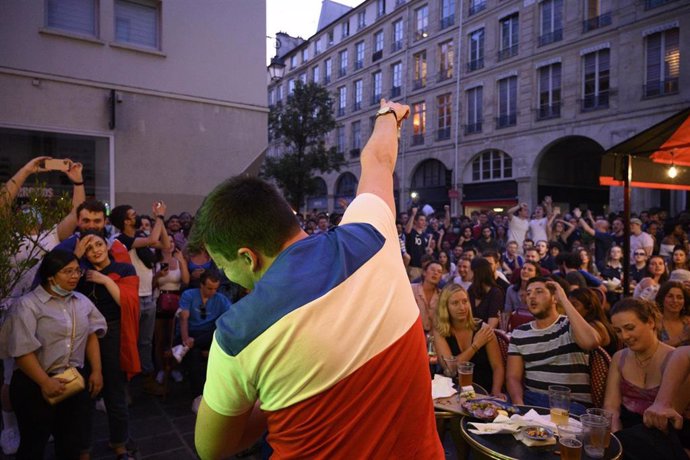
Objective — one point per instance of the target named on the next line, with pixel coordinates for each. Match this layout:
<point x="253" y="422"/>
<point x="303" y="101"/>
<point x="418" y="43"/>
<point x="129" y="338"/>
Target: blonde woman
<point x="457" y="334"/>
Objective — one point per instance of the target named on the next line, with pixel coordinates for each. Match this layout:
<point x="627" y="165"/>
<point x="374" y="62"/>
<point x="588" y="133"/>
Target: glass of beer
<point x="595" y="429"/>
<point x="559" y="404"/>
<point x="465" y="371"/>
<point x="571" y="448"/>
<point x="608" y="415"/>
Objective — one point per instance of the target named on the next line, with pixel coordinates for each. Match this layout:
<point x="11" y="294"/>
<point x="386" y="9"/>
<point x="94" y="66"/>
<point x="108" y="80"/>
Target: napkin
<point x="442" y="387"/>
<point x="532" y="417"/>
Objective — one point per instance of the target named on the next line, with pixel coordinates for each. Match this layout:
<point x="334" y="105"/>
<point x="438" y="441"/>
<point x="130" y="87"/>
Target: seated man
<point x="199" y="310"/>
<point x="551" y="350"/>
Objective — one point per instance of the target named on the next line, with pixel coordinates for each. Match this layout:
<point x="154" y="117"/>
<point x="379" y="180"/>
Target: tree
<point x="302" y="124"/>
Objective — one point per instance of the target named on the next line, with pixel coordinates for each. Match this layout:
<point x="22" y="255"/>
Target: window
<point x="377" y="87"/>
<point x="447" y="13"/>
<point x="315" y="75"/>
<point x="594" y="17"/>
<point x="358" y="94"/>
<point x="303" y="78"/>
<point x="317" y="47"/>
<point x="396" y="83"/>
<point x="419" y="78"/>
<point x="418" y="123"/>
<point x="476" y="59"/>
<point x="328" y="67"/>
<point x="662" y="63"/>
<point x="492" y="165"/>
<point x="361" y="20"/>
<point x="397" y="35"/>
<point x="270" y="97"/>
<point x="343" y="63"/>
<point x="378" y="46"/>
<point x="421" y="20"/>
<point x="356" y="138"/>
<point x="445" y="109"/>
<point x="380" y="8"/>
<point x="77" y="16"/>
<point x="291" y="85"/>
<point x="305" y="54"/>
<point x="649" y="4"/>
<point x="330" y="38"/>
<point x="595" y="90"/>
<point x="342" y="100"/>
<point x="359" y="55"/>
<point x="507" y="102"/>
<point x="475" y="101"/>
<point x="279" y="93"/>
<point x="137" y="23"/>
<point x="340" y="139"/>
<point x="551" y="12"/>
<point x="345" y="29"/>
<point x="293" y="61"/>
<point x="549" y="92"/>
<point x="476" y="6"/>
<point x="510" y="32"/>
<point x="445" y="60"/>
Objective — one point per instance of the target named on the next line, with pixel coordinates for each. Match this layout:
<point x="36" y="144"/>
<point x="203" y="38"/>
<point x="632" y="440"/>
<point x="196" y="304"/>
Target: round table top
<point x="506" y="447"/>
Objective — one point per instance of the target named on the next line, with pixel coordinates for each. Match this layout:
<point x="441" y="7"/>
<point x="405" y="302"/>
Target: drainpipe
<point x="456" y="176"/>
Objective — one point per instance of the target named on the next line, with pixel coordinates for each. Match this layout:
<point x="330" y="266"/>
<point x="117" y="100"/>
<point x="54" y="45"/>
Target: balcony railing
<point x="443" y="134"/>
<point x="395" y="91"/>
<point x="342" y="72"/>
<point x="396" y="46"/>
<point x="660" y="87"/>
<point x="376" y="99"/>
<point x="357" y="106"/>
<point x="476" y="7"/>
<point x="602" y="20"/>
<point x="595" y="101"/>
<point x="377" y="55"/>
<point x="359" y="64"/>
<point x="551" y="37"/>
<point x="475" y="65"/>
<point x="417" y="139"/>
<point x="341" y="111"/>
<point x="445" y="74"/>
<point x="503" y="121"/>
<point x="509" y="52"/>
<point x="473" y="128"/>
<point x="649" y="4"/>
<point x="447" y="21"/>
<point x="548" y="111"/>
<point x="418" y="83"/>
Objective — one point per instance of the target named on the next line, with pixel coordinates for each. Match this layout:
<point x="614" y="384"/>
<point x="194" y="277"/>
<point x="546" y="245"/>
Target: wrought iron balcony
<point x="443" y="134"/>
<point x="475" y="65"/>
<point x="660" y="87"/>
<point x="551" y="37"/>
<point x="504" y="121"/>
<point x="602" y="20"/>
<point x="548" y="111"/>
<point x="473" y="128"/>
<point x="509" y="52"/>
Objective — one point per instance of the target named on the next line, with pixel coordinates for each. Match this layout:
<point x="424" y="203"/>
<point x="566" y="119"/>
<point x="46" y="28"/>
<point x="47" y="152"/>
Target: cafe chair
<point x="503" y="341"/>
<point x="518" y="318"/>
<point x="599" y="363"/>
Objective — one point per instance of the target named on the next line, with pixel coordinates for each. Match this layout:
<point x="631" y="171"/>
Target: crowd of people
<point x="111" y="294"/>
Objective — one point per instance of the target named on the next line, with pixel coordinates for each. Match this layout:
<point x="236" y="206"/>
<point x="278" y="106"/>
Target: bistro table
<point x="449" y="417"/>
<point x="506" y="447"/>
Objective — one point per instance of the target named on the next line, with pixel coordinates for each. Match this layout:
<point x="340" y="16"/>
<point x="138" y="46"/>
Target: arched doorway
<point x="345" y="188"/>
<point x="431" y="181"/>
<point x="318" y="201"/>
<point x="569" y="172"/>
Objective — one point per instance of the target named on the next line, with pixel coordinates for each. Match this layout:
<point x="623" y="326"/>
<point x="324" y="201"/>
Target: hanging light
<point x="672" y="171"/>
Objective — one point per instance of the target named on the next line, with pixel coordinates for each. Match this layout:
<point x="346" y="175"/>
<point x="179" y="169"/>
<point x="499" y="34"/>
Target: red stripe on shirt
<point x="382" y="410"/>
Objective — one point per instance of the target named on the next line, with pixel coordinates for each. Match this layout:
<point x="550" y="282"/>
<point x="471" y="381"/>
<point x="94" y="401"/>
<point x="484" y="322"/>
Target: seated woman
<point x="673" y="300"/>
<point x="458" y="334"/>
<point x="635" y="373"/>
<point x="657" y="274"/>
<point x="449" y="268"/>
<point x="516" y="299"/>
<point x="587" y="303"/>
<point x="486" y="297"/>
<point x="48" y="330"/>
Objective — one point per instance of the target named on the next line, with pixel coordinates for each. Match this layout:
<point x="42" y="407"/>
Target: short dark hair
<point x="540" y="279"/>
<point x="118" y="215"/>
<point x="91" y="206"/>
<point x="492" y="254"/>
<point x="53" y="262"/>
<point x="244" y="211"/>
<point x="645" y="310"/>
<point x="211" y="275"/>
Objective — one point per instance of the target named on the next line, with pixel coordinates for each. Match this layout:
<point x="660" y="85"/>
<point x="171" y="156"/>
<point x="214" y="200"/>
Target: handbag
<point x="71" y="377"/>
<point x="168" y="302"/>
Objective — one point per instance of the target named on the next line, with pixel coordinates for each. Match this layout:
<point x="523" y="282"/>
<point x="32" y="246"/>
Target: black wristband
<point x="77" y="183"/>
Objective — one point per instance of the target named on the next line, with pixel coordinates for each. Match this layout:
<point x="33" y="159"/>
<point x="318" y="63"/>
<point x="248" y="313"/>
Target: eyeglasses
<point x="640" y="253"/>
<point x="72" y="272"/>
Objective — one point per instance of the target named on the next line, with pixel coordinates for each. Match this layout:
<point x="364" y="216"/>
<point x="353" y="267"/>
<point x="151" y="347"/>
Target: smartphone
<point x="164" y="266"/>
<point x="56" y="165"/>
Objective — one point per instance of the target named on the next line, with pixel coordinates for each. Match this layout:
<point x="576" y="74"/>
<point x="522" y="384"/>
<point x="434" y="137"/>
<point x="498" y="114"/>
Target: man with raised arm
<point x="328" y="356"/>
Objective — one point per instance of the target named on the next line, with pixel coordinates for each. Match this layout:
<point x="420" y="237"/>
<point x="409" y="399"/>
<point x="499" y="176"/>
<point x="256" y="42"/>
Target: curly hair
<point x="663" y="291"/>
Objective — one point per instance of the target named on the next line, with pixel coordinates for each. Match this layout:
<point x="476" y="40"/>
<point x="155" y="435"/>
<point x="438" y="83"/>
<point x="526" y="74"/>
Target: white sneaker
<point x="159" y="377"/>
<point x="176" y="376"/>
<point x="196" y="403"/>
<point x="100" y="405"/>
<point x="9" y="440"/>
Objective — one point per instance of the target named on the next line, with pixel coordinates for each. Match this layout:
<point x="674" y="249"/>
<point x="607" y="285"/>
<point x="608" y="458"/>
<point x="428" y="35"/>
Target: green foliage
<point x="301" y="124"/>
<point x="20" y="230"/>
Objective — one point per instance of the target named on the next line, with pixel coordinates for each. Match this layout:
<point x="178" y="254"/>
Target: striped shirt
<point x="552" y="357"/>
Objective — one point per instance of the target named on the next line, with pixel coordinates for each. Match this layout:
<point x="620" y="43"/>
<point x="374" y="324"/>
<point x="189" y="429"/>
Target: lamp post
<point x="276" y="69"/>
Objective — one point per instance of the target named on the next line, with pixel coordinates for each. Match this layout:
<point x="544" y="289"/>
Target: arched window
<point x="346" y="185"/>
<point x="320" y="188"/>
<point x="492" y="165"/>
<point x="430" y="173"/>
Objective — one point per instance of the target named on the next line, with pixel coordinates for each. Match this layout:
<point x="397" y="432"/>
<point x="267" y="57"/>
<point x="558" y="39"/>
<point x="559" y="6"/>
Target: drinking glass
<point x="570" y="431"/>
<point x="595" y="429"/>
<point x="559" y="404"/>
<point x="571" y="448"/>
<point x="451" y="369"/>
<point x="465" y="371"/>
<point x="608" y="415"/>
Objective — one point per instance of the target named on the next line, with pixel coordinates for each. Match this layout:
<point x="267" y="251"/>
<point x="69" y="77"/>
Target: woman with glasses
<point x="113" y="288"/>
<point x="638" y="265"/>
<point x="36" y="332"/>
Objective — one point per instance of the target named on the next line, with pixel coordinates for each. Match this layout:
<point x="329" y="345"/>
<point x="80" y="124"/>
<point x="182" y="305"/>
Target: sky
<point x="296" y="17"/>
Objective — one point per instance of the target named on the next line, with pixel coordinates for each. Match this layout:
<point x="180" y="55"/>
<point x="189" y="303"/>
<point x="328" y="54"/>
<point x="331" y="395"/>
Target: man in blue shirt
<point x="199" y="310"/>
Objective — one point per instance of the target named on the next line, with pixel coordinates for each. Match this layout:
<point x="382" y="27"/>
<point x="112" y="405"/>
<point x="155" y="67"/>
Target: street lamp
<point x="276" y="69"/>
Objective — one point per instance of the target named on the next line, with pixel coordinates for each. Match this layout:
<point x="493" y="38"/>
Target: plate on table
<point x="488" y="408"/>
<point x="537" y="433"/>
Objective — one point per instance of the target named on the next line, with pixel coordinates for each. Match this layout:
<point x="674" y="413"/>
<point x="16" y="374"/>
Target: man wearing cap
<point x="639" y="239"/>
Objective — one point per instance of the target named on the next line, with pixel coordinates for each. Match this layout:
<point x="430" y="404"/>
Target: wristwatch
<point x="387" y="110"/>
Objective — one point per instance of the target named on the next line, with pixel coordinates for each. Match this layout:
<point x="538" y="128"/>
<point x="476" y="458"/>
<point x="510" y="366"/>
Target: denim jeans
<point x="194" y="361"/>
<point x="147" y="324"/>
<point x="114" y="386"/>
<point x="532" y="398"/>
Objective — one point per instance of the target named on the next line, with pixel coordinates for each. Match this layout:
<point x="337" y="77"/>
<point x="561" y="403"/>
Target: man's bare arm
<point x="671" y="400"/>
<point x="219" y="436"/>
<point x="10" y="190"/>
<point x="67" y="225"/>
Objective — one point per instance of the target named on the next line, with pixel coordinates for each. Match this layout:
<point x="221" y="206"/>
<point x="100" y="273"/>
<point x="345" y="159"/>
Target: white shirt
<point x="517" y="229"/>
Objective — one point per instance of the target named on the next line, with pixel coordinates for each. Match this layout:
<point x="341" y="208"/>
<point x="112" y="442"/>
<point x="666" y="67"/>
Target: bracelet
<point x="77" y="184"/>
<point x="474" y="347"/>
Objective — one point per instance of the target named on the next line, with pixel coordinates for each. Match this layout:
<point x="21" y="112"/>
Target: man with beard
<point x="551" y="350"/>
